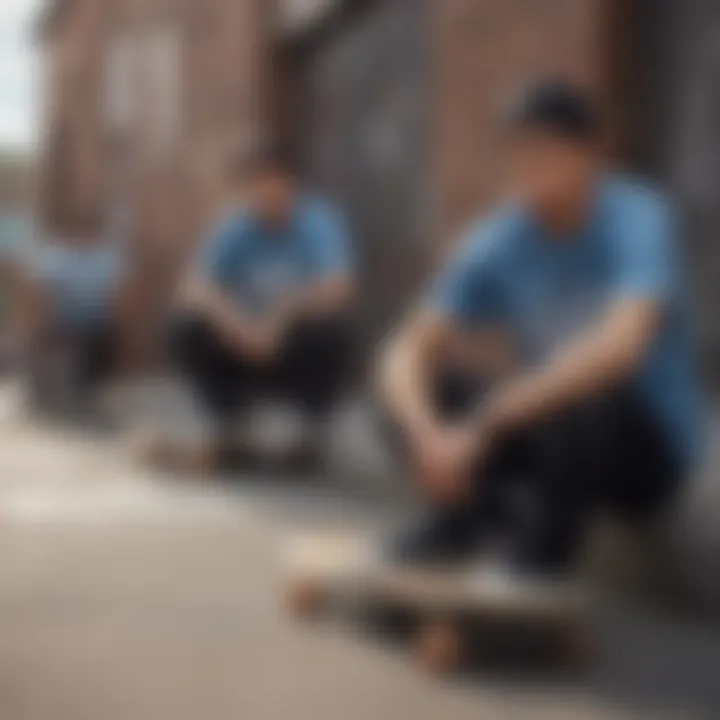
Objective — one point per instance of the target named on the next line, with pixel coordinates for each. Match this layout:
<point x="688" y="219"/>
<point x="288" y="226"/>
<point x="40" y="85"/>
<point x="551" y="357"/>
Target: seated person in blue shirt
<point x="15" y="242"/>
<point x="266" y="307"/>
<point x="580" y="276"/>
<point x="73" y="312"/>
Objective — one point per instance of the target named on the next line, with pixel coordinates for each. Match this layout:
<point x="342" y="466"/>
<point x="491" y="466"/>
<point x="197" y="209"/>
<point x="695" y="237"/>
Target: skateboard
<point x="454" y="611"/>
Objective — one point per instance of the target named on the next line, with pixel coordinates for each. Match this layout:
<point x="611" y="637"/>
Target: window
<point x="162" y="61"/>
<point x="121" y="86"/>
<point x="143" y="89"/>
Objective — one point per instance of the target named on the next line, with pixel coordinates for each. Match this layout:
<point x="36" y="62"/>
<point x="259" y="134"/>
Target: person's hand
<point x="446" y="458"/>
<point x="264" y="343"/>
<point x="258" y="342"/>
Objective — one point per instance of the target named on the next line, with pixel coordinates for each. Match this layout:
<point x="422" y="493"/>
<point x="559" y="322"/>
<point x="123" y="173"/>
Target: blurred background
<point x="124" y="595"/>
<point x="136" y="105"/>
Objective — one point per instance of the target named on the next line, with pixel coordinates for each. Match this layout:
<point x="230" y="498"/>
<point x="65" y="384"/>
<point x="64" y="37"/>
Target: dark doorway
<point x="678" y="138"/>
<point x="359" y="115"/>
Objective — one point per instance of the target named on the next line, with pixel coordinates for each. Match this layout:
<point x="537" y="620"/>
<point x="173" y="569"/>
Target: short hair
<point x="274" y="157"/>
<point x="557" y="107"/>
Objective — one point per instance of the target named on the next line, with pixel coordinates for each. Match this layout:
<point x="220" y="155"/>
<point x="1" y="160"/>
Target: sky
<point x="18" y="81"/>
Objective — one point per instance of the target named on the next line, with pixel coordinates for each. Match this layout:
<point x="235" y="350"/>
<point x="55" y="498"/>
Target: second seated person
<point x="266" y="309"/>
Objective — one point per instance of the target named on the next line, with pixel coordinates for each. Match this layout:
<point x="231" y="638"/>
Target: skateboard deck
<point x="454" y="607"/>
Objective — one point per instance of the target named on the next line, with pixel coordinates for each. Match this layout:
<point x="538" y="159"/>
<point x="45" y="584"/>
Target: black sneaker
<point x="537" y="561"/>
<point x="305" y="458"/>
<point x="439" y="538"/>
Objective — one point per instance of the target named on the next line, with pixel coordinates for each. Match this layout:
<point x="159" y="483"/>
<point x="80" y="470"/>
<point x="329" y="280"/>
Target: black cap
<point x="558" y="107"/>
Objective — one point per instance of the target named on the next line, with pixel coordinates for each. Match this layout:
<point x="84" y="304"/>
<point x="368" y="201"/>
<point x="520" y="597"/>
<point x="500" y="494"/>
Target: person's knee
<point x="457" y="394"/>
<point x="186" y="334"/>
<point x="314" y="365"/>
<point x="324" y="344"/>
<point x="321" y="333"/>
<point x="454" y="396"/>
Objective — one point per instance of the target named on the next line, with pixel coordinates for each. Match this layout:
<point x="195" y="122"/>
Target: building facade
<point x="142" y="101"/>
<point x="391" y="104"/>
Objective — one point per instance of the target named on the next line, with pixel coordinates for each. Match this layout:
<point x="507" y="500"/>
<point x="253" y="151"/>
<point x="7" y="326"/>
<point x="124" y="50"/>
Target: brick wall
<point x="483" y="48"/>
<point x="73" y="168"/>
<point x="227" y="66"/>
<point x="169" y="196"/>
<point x="480" y="49"/>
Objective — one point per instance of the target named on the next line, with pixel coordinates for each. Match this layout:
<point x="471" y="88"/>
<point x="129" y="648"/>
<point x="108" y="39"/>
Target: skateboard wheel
<point x="576" y="648"/>
<point x="439" y="647"/>
<point x="147" y="447"/>
<point x="201" y="460"/>
<point x="162" y="453"/>
<point x="305" y="599"/>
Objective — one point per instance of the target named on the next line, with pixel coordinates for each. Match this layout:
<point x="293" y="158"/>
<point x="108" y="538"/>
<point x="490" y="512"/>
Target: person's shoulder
<point x="54" y="249"/>
<point x="52" y="257"/>
<point x="639" y="215"/>
<point x="316" y="207"/>
<point x="321" y="220"/>
<point x="233" y="223"/>
<point x="110" y="252"/>
<point x="237" y="216"/>
<point x="629" y="196"/>
<point x="492" y="237"/>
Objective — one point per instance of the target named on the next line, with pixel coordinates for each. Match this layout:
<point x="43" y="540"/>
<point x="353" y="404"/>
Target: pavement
<point x="131" y="596"/>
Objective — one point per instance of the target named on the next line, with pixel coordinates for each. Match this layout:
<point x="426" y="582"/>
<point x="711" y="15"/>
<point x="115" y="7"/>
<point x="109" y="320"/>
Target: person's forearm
<point x="200" y="296"/>
<point x="404" y="385"/>
<point x="322" y="299"/>
<point x="582" y="370"/>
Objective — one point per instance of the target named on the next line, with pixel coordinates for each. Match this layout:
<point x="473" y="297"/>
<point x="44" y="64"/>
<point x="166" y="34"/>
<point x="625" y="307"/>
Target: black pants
<point x="309" y="370"/>
<point x="82" y="357"/>
<point x="543" y="483"/>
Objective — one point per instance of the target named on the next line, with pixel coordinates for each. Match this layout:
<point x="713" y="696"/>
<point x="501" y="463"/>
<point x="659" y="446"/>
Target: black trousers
<point x="543" y="483"/>
<point x="309" y="370"/>
<point x="83" y="357"/>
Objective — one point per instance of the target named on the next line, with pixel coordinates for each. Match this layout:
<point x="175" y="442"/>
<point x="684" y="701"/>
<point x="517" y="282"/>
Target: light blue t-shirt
<point x="17" y="239"/>
<point x="259" y="265"/>
<point x="545" y="290"/>
<point x="17" y="236"/>
<point x="80" y="281"/>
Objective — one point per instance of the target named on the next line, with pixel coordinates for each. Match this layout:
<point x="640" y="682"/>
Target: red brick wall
<point x="227" y="67"/>
<point x="72" y="176"/>
<point x="481" y="49"/>
<point x="484" y="48"/>
<point x="170" y="198"/>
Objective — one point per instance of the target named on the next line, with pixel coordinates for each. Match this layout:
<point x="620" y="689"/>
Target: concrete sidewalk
<point x="127" y="595"/>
